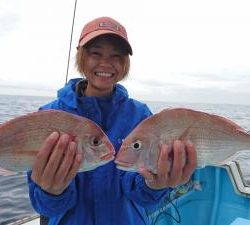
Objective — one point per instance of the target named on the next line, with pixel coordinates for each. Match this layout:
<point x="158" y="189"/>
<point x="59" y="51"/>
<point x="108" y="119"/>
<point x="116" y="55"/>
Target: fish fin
<point x="186" y="134"/>
<point x="5" y="172"/>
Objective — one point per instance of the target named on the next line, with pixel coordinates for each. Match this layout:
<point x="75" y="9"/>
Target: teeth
<point x="103" y="74"/>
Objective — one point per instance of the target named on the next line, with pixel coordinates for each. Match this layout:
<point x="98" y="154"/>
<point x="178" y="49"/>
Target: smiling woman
<point x="102" y="56"/>
<point x="105" y="195"/>
<point x="119" y="45"/>
<point x="104" y="62"/>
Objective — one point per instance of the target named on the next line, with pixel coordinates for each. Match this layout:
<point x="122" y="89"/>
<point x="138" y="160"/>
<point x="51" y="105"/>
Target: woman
<point x="105" y="195"/>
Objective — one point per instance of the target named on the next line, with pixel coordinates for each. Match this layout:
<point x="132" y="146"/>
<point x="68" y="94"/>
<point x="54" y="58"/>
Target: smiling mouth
<point x="103" y="74"/>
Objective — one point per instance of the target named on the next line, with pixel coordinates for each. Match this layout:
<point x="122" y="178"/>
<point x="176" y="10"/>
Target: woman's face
<point x="104" y="66"/>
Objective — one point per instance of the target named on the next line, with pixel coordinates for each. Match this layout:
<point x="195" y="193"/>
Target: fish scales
<point x="39" y="125"/>
<point x="215" y="138"/>
<point x="21" y="138"/>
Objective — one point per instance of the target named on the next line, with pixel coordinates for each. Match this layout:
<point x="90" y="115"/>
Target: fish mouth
<point x="129" y="169"/>
<point x="107" y="157"/>
<point x="123" y="164"/>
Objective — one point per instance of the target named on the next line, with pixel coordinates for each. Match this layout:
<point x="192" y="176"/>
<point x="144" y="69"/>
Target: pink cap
<point x="103" y="25"/>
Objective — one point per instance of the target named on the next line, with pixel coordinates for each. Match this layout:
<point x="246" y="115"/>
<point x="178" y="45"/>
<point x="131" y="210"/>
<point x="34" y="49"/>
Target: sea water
<point x="14" y="200"/>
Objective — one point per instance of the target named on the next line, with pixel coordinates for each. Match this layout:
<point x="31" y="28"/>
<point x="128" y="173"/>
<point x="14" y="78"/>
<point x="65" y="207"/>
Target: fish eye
<point x="95" y="141"/>
<point x="136" y="145"/>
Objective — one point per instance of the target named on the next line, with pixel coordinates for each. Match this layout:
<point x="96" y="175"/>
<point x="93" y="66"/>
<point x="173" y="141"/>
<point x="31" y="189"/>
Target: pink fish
<point x="215" y="138"/>
<point x="22" y="137"/>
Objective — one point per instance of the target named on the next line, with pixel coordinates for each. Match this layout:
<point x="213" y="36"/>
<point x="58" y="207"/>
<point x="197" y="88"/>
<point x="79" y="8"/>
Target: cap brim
<point x="97" y="33"/>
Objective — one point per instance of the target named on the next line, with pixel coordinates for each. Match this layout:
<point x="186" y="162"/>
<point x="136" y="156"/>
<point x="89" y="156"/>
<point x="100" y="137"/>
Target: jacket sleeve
<point x="135" y="188"/>
<point x="51" y="205"/>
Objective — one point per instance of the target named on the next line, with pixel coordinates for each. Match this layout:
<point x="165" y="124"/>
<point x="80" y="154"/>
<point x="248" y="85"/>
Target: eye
<point x="95" y="54"/>
<point x="117" y="56"/>
<point x="95" y="141"/>
<point x="136" y="145"/>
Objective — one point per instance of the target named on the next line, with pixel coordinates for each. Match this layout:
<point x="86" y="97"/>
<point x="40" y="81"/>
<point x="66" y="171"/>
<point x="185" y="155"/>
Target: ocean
<point x="14" y="201"/>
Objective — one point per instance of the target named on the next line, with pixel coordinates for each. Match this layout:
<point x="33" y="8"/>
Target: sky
<point x="184" y="50"/>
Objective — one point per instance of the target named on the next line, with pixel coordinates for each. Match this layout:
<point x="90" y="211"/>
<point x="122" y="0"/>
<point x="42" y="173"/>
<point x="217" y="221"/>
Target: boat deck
<point x="211" y="198"/>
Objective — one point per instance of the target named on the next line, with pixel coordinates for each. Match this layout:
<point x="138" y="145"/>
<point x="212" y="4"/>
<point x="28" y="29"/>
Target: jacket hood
<point x="69" y="96"/>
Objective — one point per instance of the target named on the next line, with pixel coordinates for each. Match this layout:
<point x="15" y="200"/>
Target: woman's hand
<point x="56" y="163"/>
<point x="174" y="172"/>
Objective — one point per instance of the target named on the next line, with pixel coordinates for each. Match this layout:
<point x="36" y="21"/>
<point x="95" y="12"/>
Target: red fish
<point x="215" y="138"/>
<point x="22" y="137"/>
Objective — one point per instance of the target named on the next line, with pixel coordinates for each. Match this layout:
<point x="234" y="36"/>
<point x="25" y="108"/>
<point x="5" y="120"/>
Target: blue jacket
<point x="105" y="195"/>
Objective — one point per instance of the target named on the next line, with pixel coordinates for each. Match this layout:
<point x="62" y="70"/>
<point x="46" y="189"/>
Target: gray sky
<point x="184" y="50"/>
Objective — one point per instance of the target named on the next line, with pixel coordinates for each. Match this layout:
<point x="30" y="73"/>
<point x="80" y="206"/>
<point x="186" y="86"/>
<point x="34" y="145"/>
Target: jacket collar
<point x="70" y="96"/>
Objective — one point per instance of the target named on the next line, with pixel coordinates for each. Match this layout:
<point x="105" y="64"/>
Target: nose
<point x="105" y="61"/>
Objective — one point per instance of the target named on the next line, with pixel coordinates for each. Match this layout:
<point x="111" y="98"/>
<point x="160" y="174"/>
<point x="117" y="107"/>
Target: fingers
<point x="56" y="158"/>
<point x="172" y="176"/>
<point x="163" y="161"/>
<point x="43" y="155"/>
<point x="184" y="161"/>
<point x="146" y="174"/>
<point x="56" y="164"/>
<point x="149" y="178"/>
<point x="162" y="166"/>
<point x="67" y="162"/>
<point x="70" y="165"/>
<point x="75" y="167"/>
<point x="191" y="162"/>
<point x="178" y="153"/>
